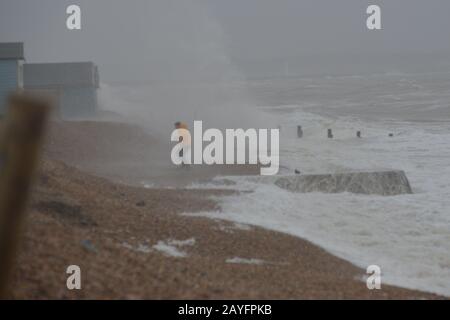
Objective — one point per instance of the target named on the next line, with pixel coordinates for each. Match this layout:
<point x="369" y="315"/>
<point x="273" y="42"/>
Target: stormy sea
<point x="404" y="121"/>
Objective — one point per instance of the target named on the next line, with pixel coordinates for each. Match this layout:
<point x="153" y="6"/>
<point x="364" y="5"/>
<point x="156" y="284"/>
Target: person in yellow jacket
<point x="185" y="138"/>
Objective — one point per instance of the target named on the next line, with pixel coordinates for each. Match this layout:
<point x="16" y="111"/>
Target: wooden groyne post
<point x="299" y="132"/>
<point x="330" y="134"/>
<point x="21" y="136"/>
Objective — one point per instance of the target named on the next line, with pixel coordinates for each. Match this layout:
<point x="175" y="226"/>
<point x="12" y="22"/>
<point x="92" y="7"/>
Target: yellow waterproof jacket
<point x="186" y="138"/>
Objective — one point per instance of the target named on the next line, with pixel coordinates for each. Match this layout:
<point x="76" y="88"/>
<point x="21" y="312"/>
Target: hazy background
<point x="152" y="39"/>
<point x="188" y="57"/>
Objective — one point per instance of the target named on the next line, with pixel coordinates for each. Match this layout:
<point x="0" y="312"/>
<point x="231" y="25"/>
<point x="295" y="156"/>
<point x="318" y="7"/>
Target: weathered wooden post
<point x="20" y="145"/>
<point x="299" y="132"/>
<point x="330" y="134"/>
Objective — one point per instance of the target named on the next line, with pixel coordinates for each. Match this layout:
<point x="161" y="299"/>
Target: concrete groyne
<point x="385" y="183"/>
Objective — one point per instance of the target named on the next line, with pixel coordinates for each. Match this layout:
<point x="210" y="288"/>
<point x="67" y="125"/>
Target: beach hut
<point x="73" y="86"/>
<point x="11" y="70"/>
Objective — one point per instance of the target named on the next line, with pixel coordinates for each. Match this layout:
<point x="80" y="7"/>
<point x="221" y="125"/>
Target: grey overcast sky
<point x="144" y="39"/>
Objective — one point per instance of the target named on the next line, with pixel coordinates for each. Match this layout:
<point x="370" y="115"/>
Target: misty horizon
<point x="217" y="41"/>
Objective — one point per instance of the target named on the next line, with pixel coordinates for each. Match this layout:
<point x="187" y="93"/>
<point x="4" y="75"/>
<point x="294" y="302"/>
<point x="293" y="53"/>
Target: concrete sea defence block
<point x="385" y="183"/>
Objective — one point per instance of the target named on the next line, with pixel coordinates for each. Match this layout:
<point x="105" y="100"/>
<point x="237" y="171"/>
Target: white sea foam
<point x="237" y="260"/>
<point x="408" y="236"/>
<point x="172" y="247"/>
<point x="169" y="250"/>
<point x="142" y="248"/>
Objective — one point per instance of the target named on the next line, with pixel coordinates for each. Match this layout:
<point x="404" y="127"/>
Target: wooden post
<point x="299" y="132"/>
<point x="330" y="134"/>
<point x="20" y="145"/>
